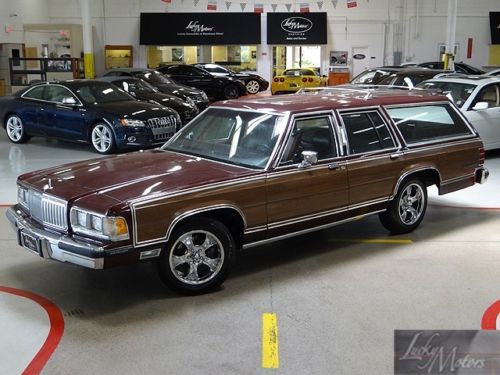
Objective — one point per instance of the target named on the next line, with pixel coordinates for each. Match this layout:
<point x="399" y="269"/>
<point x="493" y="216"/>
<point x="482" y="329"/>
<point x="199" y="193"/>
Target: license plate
<point x="30" y="243"/>
<point x="293" y="85"/>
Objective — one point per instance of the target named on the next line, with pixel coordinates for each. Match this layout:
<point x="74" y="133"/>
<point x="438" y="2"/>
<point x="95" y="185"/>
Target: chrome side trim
<point x="456" y="179"/>
<point x="304" y="231"/>
<point x="179" y="218"/>
<point x="255" y="229"/>
<point x="407" y="173"/>
<point x="301" y="219"/>
<point x="149" y="200"/>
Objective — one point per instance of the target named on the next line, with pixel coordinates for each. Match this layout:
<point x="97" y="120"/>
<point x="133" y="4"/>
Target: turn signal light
<point x="482" y="156"/>
<point x="304" y="79"/>
<point x="310" y="79"/>
<point x="276" y="79"/>
<point x="282" y="79"/>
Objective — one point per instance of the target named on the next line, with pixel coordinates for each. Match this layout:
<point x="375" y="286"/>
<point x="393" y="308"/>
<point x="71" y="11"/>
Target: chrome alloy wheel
<point x="411" y="204"/>
<point x="196" y="257"/>
<point x="253" y="86"/>
<point x="102" y="138"/>
<point x="14" y="128"/>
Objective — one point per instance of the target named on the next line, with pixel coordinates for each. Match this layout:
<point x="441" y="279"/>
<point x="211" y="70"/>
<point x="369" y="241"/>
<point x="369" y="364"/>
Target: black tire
<point x="205" y="265"/>
<point x="15" y="129"/>
<point x="231" y="92"/>
<point x="102" y="139"/>
<point x="406" y="211"/>
<point x="253" y="86"/>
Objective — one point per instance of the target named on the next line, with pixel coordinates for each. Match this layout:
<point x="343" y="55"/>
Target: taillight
<point x="276" y="79"/>
<point x="304" y="79"/>
<point x="282" y="79"/>
<point x="310" y="80"/>
<point x="482" y="156"/>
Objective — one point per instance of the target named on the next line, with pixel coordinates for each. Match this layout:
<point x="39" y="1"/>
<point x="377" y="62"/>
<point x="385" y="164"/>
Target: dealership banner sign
<point x="190" y="29"/>
<point x="296" y="28"/>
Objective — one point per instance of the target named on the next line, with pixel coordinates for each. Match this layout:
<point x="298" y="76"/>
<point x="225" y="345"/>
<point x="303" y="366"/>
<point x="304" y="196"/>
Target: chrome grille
<point x="163" y="128"/>
<point x="48" y="210"/>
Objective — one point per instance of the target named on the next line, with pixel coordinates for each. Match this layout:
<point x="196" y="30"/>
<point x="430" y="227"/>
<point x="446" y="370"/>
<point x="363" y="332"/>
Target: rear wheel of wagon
<point x="407" y="209"/>
<point x="197" y="257"/>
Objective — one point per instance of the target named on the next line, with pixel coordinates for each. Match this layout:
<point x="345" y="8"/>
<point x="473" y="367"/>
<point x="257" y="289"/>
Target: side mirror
<point x="69" y="100"/>
<point x="480" y="106"/>
<point x="309" y="158"/>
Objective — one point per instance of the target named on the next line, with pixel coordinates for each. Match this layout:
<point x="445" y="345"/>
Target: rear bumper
<point x="482" y="175"/>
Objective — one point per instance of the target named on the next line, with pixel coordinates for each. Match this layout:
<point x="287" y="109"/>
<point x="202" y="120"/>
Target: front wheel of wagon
<point x="197" y="257"/>
<point x="407" y="209"/>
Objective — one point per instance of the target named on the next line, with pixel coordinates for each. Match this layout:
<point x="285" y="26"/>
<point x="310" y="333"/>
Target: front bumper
<point x="53" y="246"/>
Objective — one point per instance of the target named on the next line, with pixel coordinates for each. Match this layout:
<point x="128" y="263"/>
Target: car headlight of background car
<point x="132" y="123"/>
<point x="114" y="228"/>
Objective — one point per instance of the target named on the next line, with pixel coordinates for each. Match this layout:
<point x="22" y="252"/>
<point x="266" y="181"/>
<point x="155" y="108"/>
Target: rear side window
<point x="366" y="131"/>
<point x="427" y="123"/>
<point x="35" y="93"/>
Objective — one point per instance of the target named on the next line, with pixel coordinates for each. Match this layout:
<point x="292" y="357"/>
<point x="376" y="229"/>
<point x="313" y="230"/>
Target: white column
<point x="88" y="54"/>
<point x="264" y="52"/>
<point x="451" y="25"/>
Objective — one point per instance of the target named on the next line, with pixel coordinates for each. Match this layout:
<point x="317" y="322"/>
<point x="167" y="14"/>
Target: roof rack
<point x="331" y="89"/>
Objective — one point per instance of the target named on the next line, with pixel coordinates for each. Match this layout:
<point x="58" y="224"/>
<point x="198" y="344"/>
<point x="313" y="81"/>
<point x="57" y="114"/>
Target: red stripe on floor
<point x="490" y="316"/>
<point x="55" y="333"/>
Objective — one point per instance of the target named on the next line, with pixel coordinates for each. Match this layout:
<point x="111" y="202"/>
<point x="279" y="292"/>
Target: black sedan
<point x="86" y="111"/>
<point x="164" y="84"/>
<point x="460" y="67"/>
<point x="253" y="82"/>
<point x="142" y="90"/>
<point x="214" y="87"/>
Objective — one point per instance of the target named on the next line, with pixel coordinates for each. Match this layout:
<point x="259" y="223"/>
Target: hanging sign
<point x="188" y="29"/>
<point x="296" y="28"/>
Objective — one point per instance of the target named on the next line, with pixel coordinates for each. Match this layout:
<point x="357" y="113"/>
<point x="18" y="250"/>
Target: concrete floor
<point x="337" y="295"/>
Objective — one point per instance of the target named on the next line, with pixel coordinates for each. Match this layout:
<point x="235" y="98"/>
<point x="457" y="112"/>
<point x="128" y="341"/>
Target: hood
<point x="132" y="175"/>
<point x="134" y="109"/>
<point x="166" y="100"/>
<point x="178" y="90"/>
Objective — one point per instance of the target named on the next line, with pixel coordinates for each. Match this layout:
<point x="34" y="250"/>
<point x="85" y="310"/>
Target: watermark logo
<point x="196" y="27"/>
<point x="446" y="352"/>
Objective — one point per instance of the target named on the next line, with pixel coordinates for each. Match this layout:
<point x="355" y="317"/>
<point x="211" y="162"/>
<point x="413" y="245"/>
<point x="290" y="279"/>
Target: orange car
<point x="292" y="80"/>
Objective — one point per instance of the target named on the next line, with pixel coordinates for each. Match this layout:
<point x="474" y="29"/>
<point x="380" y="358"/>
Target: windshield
<point x="455" y="91"/>
<point x="236" y="137"/>
<point x="94" y="92"/>
<point x="138" y="86"/>
<point x="369" y="77"/>
<point x="156" y="77"/>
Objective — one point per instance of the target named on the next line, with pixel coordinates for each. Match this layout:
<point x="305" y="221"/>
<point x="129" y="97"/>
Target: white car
<point x="495" y="72"/>
<point x="478" y="97"/>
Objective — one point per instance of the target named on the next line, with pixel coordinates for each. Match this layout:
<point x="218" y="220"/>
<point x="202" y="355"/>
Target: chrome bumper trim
<point x="482" y="175"/>
<point x="57" y="247"/>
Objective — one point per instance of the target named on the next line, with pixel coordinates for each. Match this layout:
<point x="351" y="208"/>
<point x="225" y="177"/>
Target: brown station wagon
<point x="248" y="172"/>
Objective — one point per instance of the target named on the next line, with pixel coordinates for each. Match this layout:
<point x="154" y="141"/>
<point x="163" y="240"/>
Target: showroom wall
<point x="389" y="30"/>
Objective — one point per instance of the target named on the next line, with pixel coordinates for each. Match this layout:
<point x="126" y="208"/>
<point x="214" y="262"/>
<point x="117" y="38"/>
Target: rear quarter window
<point x="428" y="123"/>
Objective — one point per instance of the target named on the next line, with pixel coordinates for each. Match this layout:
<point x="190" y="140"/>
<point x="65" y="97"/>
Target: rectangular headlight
<point x="114" y="228"/>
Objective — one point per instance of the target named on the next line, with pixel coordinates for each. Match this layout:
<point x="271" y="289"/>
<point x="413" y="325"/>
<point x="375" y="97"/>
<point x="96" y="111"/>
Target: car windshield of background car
<point x="236" y="137"/>
<point x="93" y="93"/>
<point x="156" y="77"/>
<point x="138" y="86"/>
<point x="455" y="91"/>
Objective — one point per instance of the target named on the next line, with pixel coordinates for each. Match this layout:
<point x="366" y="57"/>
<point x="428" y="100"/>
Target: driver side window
<point x="310" y="134"/>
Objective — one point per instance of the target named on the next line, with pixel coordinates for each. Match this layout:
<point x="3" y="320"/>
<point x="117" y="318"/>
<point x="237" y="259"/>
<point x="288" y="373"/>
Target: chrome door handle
<point x="397" y="155"/>
<point x="333" y="166"/>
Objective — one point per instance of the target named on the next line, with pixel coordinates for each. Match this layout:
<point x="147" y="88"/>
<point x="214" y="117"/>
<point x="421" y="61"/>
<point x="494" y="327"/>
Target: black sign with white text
<point x="495" y="27"/>
<point x="191" y="29"/>
<point x="296" y="28"/>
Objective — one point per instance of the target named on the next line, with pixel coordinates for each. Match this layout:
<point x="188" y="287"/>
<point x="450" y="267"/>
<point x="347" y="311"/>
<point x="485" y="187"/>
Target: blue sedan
<point x="86" y="111"/>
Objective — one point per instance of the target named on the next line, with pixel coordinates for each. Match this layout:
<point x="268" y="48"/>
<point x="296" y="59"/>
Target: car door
<point x="374" y="163"/>
<point x="300" y="196"/>
<point x="487" y="121"/>
<point x="191" y="76"/>
<point x="63" y="119"/>
<point x="31" y="108"/>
